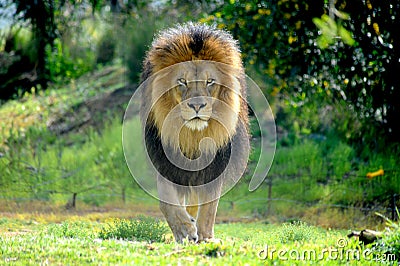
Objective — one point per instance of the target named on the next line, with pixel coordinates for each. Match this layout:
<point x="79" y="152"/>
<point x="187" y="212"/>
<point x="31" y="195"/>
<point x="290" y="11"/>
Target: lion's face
<point x="194" y="100"/>
<point x="196" y="93"/>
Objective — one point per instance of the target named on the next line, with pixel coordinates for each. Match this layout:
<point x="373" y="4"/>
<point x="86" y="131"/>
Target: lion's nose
<point x="196" y="105"/>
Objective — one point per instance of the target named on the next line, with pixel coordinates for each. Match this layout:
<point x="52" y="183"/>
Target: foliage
<point x="66" y="40"/>
<point x="136" y="39"/>
<point x="140" y="229"/>
<point x="61" y="66"/>
<point x="371" y="66"/>
<point x="69" y="38"/>
<point x="110" y="160"/>
<point x="41" y="16"/>
<point x="311" y="56"/>
<point x="18" y="57"/>
<point x="189" y="10"/>
<point x="308" y="57"/>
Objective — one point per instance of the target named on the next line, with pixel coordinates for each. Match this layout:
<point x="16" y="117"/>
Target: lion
<point x="195" y="119"/>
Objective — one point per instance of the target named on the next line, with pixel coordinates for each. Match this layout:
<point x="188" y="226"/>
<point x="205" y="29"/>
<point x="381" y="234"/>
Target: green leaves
<point x="330" y="31"/>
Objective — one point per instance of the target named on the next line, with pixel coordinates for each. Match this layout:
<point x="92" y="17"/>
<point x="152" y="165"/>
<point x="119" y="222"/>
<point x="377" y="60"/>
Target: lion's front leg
<point x="206" y="220"/>
<point x="181" y="223"/>
<point x="208" y="212"/>
<point x="171" y="205"/>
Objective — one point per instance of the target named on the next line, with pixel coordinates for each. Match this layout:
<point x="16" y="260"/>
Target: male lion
<point x="195" y="119"/>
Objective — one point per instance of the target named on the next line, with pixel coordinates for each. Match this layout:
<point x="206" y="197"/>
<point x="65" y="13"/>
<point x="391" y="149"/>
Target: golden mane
<point x="191" y="42"/>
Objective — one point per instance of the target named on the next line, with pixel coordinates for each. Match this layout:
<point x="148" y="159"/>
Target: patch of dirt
<point x="94" y="112"/>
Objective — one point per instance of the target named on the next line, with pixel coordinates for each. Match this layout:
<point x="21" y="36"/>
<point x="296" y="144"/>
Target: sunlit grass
<point x="78" y="242"/>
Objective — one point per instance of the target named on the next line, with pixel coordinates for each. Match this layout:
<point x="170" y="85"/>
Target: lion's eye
<point x="182" y="81"/>
<point x="210" y="81"/>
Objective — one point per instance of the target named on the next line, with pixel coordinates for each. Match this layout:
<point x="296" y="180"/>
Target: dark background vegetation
<point x="330" y="70"/>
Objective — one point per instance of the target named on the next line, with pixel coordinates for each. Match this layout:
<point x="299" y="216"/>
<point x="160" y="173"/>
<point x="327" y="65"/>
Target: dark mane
<point x="191" y="42"/>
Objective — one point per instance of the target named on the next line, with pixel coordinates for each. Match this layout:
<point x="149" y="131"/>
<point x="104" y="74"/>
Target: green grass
<point x="141" y="229"/>
<point x="78" y="242"/>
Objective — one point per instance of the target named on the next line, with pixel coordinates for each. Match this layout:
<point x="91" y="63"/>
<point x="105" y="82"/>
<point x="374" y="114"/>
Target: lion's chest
<point x="171" y="165"/>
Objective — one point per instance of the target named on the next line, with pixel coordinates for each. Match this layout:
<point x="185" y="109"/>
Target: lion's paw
<point x="185" y="231"/>
<point x="211" y="240"/>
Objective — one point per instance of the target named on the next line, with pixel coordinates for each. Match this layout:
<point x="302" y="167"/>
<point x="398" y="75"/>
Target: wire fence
<point x="268" y="201"/>
<point x="388" y="200"/>
<point x="381" y="183"/>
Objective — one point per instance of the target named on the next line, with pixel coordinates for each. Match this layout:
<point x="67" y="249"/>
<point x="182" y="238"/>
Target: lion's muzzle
<point x="196" y="112"/>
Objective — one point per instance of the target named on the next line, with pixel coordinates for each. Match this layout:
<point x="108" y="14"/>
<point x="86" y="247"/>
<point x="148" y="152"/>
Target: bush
<point x="61" y="65"/>
<point x="295" y="231"/>
<point x="141" y="229"/>
<point x="390" y="243"/>
<point x="70" y="230"/>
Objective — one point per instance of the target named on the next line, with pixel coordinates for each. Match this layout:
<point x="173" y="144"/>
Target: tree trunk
<point x="123" y="194"/>
<point x="71" y="205"/>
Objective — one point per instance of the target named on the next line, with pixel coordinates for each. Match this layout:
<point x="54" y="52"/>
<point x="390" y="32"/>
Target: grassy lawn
<point x="81" y="240"/>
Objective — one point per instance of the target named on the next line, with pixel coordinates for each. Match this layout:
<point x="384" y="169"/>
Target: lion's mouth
<point x="201" y="117"/>
<point x="197" y="123"/>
